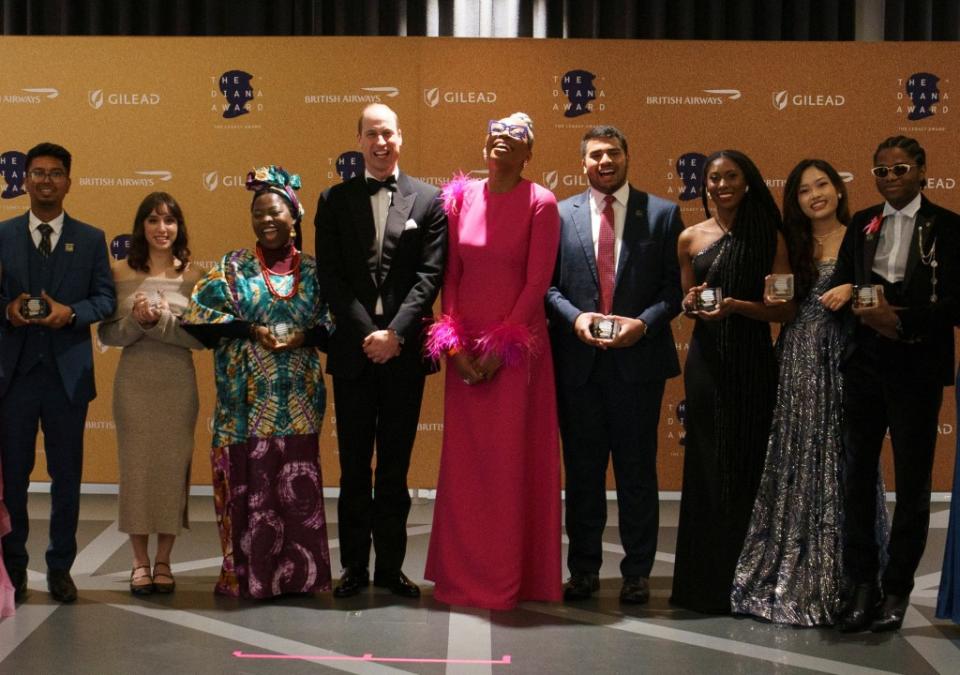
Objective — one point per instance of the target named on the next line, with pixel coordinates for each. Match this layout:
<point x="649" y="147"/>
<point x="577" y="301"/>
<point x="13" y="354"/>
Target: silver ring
<point x="466" y="381"/>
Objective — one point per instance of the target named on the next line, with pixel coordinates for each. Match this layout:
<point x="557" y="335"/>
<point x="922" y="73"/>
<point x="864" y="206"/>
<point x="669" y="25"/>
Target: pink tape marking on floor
<point x="505" y="660"/>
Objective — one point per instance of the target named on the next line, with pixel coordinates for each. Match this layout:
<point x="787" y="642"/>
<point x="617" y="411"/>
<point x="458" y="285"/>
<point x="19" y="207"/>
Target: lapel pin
<point x="68" y="247"/>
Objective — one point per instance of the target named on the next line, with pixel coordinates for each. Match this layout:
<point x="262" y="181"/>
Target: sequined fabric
<point x="790" y="569"/>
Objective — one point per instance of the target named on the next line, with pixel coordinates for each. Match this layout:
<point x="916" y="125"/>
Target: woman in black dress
<point x="730" y="375"/>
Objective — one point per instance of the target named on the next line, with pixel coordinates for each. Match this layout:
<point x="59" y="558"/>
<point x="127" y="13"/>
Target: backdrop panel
<point x="192" y="115"/>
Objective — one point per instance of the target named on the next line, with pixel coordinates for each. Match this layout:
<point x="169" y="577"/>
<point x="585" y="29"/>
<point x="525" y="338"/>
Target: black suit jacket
<point x="926" y="323"/>
<point x="647" y="287"/>
<point x="407" y="277"/>
<point x="81" y="279"/>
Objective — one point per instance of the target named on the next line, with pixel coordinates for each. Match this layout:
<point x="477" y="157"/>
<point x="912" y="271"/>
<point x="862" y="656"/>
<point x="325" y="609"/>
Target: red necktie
<point x="606" y="266"/>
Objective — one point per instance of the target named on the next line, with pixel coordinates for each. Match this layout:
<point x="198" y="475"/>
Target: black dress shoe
<point x="635" y="590"/>
<point x="398" y="583"/>
<point x="18" y="577"/>
<point x="860" y="612"/>
<point x="890" y="614"/>
<point x="61" y="586"/>
<point x="354" y="580"/>
<point x="580" y="587"/>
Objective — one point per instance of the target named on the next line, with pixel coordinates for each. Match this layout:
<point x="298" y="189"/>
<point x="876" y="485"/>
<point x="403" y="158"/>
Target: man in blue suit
<point x="617" y="263"/>
<point x="47" y="361"/>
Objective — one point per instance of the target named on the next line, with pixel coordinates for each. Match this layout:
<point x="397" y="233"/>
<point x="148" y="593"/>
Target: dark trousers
<point x="610" y="417"/>
<point x="38" y="398"/>
<point x="381" y="408"/>
<point x="884" y="390"/>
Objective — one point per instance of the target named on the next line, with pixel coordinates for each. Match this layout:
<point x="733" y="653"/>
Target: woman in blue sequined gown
<point x="948" y="599"/>
<point x="791" y="566"/>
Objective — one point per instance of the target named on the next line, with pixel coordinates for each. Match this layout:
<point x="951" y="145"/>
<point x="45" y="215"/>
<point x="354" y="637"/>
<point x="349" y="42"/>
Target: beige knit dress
<point x="154" y="406"/>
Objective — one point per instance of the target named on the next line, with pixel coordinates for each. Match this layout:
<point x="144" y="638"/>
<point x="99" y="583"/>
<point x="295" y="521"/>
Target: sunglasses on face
<point x="518" y="132"/>
<point x="897" y="170"/>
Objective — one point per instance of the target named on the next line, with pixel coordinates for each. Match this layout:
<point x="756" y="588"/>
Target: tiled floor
<point x="108" y="631"/>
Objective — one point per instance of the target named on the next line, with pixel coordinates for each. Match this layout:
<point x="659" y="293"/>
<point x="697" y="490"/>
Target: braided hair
<point x="747" y="384"/>
<point x="909" y="146"/>
<point x="797" y="227"/>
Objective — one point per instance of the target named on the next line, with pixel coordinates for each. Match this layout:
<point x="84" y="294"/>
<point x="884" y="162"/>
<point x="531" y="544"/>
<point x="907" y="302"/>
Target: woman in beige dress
<point x="155" y="390"/>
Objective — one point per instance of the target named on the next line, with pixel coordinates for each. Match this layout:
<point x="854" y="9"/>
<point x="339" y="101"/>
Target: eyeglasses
<point x="897" y="169"/>
<point x="39" y="175"/>
<point x="518" y="132"/>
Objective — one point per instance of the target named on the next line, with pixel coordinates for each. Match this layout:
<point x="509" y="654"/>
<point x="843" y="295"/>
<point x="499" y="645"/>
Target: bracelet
<point x="253" y="331"/>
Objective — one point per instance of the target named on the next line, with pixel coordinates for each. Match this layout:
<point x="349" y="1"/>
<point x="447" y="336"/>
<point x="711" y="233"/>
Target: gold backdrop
<point x="192" y="115"/>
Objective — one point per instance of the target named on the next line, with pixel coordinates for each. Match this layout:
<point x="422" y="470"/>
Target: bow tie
<point x="374" y="186"/>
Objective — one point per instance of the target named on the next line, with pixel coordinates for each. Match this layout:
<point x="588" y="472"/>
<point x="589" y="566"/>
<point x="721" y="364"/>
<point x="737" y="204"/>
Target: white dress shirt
<point x="380" y="204"/>
<point x="56" y="224"/>
<point x="896" y="234"/>
<point x="597" y="204"/>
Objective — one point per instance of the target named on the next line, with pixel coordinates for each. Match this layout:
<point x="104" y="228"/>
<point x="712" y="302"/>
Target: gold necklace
<point x="821" y="239"/>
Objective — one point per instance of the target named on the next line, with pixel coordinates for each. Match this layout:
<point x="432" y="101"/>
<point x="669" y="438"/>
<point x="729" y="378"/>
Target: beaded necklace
<point x="265" y="270"/>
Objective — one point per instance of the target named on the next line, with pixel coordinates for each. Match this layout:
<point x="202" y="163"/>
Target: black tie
<point x="45" y="231"/>
<point x="374" y="186"/>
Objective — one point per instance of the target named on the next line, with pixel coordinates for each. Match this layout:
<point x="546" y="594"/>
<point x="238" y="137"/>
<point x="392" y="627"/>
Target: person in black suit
<point x="47" y="363"/>
<point x="381" y="242"/>
<point x="899" y="359"/>
<point x="610" y="390"/>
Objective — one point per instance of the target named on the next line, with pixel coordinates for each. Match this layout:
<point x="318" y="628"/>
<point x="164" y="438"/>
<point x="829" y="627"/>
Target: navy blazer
<point x="81" y="279"/>
<point x="647" y="287"/>
<point x="407" y="278"/>
<point x="924" y="322"/>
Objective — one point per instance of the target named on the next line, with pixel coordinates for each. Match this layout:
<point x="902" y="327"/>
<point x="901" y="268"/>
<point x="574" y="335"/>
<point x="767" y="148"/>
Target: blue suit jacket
<point x="647" y="287"/>
<point x="81" y="279"/>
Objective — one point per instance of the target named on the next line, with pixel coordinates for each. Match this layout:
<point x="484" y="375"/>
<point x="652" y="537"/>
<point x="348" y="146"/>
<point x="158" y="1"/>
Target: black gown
<point x="717" y="501"/>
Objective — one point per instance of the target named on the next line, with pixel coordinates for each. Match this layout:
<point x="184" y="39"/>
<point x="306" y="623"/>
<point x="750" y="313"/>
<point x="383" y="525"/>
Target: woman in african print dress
<point x="262" y="312"/>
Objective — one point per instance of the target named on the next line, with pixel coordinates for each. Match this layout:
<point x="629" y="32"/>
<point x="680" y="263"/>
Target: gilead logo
<point x="96" y="98"/>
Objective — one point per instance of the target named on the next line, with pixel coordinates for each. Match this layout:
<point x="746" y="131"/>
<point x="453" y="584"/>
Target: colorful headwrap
<point x="276" y="179"/>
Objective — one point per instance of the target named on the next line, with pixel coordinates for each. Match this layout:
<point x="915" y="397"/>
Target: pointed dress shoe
<point x="635" y="590"/>
<point x="354" y="580"/>
<point x="18" y="577"/>
<point x="580" y="587"/>
<point x="398" y="583"/>
<point x="890" y="615"/>
<point x="61" y="586"/>
<point x="859" y="614"/>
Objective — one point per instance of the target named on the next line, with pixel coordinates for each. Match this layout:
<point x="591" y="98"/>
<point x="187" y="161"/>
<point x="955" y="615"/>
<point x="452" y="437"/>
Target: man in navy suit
<point x="617" y="261"/>
<point x="381" y="244"/>
<point x="47" y="362"/>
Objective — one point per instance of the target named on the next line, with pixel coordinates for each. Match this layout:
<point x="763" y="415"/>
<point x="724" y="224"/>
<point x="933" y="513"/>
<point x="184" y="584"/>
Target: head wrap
<point x="276" y="179"/>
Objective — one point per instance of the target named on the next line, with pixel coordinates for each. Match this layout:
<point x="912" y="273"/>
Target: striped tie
<point x="45" y="231"/>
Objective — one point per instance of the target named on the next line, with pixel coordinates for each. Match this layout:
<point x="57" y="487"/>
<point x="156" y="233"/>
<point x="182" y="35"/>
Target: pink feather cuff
<point x="451" y="193"/>
<point x="512" y="342"/>
<point x="445" y="335"/>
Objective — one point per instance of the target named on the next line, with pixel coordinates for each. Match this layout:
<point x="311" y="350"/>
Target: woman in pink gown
<point x="6" y="588"/>
<point x="496" y="525"/>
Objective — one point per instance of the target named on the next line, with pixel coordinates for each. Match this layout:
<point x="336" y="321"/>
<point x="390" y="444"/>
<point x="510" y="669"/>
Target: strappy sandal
<point x="138" y="575"/>
<point x="163" y="586"/>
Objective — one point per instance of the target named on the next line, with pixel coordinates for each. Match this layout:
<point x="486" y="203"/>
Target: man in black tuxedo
<point x="615" y="261"/>
<point x="46" y="363"/>
<point x="381" y="243"/>
<point x="899" y="358"/>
